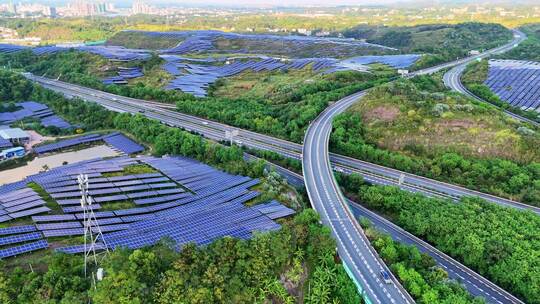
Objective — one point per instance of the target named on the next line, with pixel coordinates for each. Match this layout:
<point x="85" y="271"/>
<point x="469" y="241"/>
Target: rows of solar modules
<point x="196" y="78"/>
<point x="20" y="203"/>
<point x="32" y="109"/>
<point x="124" y="74"/>
<point x="516" y="82"/>
<point x="117" y="140"/>
<point x="205" y="40"/>
<point x="197" y="203"/>
<point x="115" y="53"/>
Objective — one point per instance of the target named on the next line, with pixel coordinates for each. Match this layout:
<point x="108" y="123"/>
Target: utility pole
<point x="92" y="232"/>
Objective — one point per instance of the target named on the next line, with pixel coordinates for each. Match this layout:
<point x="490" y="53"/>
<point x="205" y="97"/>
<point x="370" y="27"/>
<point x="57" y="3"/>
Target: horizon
<point x="283" y="4"/>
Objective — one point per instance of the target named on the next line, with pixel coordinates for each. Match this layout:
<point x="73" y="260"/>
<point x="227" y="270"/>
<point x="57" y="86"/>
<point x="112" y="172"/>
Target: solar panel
<point x="80" y="248"/>
<point x="29" y="212"/>
<point x="13" y="251"/>
<point x="53" y="218"/>
<point x="25" y="206"/>
<point x="17" y="229"/>
<point x="80" y="209"/>
<point x="98" y="215"/>
<point x="63" y="232"/>
<point x="5" y="218"/>
<point x="62" y="225"/>
<point x="19" y="238"/>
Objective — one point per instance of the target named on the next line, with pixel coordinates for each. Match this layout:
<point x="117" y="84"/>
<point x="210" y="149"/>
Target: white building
<point x="15" y="135"/>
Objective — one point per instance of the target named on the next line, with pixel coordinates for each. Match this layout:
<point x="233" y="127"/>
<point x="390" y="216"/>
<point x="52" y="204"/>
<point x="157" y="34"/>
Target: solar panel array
<point x="516" y="82"/>
<point x="28" y="247"/>
<point x="20" y="203"/>
<point x="207" y="40"/>
<point x="123" y="143"/>
<point x="117" y="140"/>
<point x="124" y="74"/>
<point x="34" y="110"/>
<point x="195" y="78"/>
<point x="116" y="53"/>
<point x="184" y="199"/>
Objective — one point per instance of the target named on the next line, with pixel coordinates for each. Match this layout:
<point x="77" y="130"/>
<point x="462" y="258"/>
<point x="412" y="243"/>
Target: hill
<point x="444" y="42"/>
<point x="528" y="49"/>
<point x="415" y="126"/>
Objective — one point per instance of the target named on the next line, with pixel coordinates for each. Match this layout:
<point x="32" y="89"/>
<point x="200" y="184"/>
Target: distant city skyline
<point x="273" y="3"/>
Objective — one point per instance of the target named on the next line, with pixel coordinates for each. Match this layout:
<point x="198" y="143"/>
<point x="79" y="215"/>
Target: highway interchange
<point x="324" y="193"/>
<point x="326" y="197"/>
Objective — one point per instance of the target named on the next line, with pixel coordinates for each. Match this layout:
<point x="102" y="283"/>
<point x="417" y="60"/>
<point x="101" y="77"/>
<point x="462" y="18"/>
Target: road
<point x="517" y="39"/>
<point x="326" y="197"/>
<point x="352" y="244"/>
<point x="452" y="79"/>
<point x="473" y="282"/>
<point x="216" y="131"/>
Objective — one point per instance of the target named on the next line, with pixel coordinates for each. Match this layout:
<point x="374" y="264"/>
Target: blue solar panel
<point x="110" y="228"/>
<point x="13" y="251"/>
<point x="17" y="229"/>
<point x="123" y="143"/>
<point x="25" y="206"/>
<point x="80" y="248"/>
<point x="29" y="212"/>
<point x="98" y="214"/>
<point x="80" y="209"/>
<point x="5" y="218"/>
<point x="62" y="225"/>
<point x="216" y="209"/>
<point x="53" y="218"/>
<point x="63" y="232"/>
<point x="19" y="238"/>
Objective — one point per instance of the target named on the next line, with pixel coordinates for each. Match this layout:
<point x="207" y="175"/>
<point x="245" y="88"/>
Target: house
<point x="15" y="135"/>
<point x="12" y="153"/>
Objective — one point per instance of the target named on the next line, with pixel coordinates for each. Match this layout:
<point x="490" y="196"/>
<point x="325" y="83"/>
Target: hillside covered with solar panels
<point x="192" y="61"/>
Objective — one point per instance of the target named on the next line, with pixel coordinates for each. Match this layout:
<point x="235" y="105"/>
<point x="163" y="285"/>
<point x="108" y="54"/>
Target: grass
<point x="49" y="201"/>
<point x="267" y="84"/>
<point x="274" y="85"/>
<point x="111" y="206"/>
<point x="154" y="77"/>
<point x="132" y="169"/>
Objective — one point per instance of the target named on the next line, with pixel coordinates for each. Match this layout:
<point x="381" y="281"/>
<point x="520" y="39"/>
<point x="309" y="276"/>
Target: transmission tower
<point x="92" y="232"/>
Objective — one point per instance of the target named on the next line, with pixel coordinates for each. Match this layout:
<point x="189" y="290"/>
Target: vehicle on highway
<point x="386" y="277"/>
<point x="205" y="123"/>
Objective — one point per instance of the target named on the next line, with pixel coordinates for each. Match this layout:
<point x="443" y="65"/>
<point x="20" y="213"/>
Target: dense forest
<point x="499" y="243"/>
<point x="442" y="42"/>
<point x="413" y="139"/>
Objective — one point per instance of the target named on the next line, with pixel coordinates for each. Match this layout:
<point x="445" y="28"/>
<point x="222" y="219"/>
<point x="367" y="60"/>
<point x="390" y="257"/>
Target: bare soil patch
<point x="384" y="113"/>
